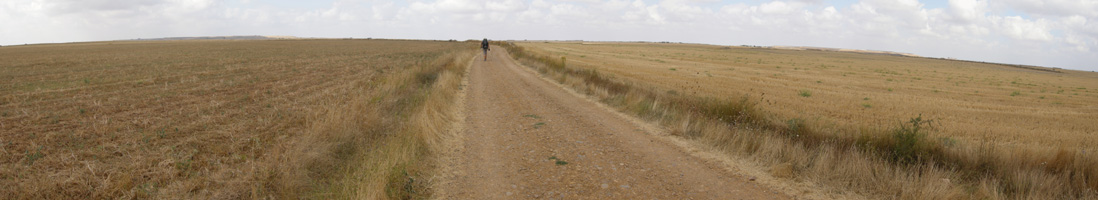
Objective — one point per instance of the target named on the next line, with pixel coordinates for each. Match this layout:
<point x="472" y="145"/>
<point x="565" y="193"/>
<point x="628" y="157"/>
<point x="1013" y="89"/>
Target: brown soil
<point x="524" y="137"/>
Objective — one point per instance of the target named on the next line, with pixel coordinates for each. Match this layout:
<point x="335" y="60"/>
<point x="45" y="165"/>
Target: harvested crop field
<point x="203" y="119"/>
<point x="875" y="125"/>
<point x="845" y="92"/>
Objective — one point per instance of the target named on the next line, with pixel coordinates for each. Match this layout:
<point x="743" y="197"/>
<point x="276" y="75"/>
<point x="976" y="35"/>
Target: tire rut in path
<point x="523" y="137"/>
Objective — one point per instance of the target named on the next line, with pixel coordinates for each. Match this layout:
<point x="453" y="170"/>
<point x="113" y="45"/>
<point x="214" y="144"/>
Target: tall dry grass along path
<point x="525" y="137"/>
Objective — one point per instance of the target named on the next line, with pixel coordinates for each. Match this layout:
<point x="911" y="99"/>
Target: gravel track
<point x="523" y="137"/>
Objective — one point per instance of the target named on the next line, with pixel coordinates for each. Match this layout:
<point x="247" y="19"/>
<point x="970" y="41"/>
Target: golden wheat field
<point x="210" y="119"/>
<point x="840" y="123"/>
<point x="846" y="91"/>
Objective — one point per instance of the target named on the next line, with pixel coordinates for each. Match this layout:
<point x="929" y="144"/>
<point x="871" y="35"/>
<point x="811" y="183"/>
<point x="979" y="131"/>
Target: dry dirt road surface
<point x="523" y="137"/>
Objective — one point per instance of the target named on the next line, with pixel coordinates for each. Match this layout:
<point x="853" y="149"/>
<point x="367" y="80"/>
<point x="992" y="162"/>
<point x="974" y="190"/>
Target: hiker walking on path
<point x="484" y="46"/>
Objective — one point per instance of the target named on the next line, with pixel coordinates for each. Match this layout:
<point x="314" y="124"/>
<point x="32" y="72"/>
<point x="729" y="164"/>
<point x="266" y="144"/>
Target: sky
<point x="1052" y="33"/>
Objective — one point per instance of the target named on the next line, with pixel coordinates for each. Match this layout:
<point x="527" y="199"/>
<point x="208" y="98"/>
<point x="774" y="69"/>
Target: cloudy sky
<point x="1055" y="33"/>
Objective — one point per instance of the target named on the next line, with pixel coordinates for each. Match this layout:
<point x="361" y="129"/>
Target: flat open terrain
<point x="845" y="92"/>
<point x="366" y="119"/>
<point x="206" y="119"/>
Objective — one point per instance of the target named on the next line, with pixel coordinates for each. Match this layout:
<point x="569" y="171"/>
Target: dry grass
<point x="398" y="168"/>
<point x="218" y="119"/>
<point x="857" y="136"/>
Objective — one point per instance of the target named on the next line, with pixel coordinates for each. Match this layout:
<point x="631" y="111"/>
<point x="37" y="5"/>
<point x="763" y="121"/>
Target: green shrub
<point x="910" y="141"/>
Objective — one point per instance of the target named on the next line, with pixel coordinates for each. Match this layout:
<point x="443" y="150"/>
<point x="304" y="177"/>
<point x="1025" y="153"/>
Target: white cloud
<point x="1019" y="28"/>
<point x="777" y="7"/>
<point x="505" y="6"/>
<point x="967" y="11"/>
<point x="638" y="11"/>
<point x="1087" y="8"/>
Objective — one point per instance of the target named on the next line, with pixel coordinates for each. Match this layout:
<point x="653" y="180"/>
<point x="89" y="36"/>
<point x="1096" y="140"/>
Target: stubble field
<point x="846" y="92"/>
<point x="882" y="126"/>
<point x="215" y="119"/>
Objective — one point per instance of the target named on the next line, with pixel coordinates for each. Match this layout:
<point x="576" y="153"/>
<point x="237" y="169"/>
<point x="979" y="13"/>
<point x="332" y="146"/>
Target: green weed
<point x="558" y="161"/>
<point x="37" y="154"/>
<point x="795" y="125"/>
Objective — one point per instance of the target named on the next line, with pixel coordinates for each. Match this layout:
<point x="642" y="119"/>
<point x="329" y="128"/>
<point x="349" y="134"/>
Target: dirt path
<point x="523" y="137"/>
